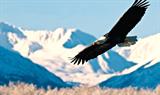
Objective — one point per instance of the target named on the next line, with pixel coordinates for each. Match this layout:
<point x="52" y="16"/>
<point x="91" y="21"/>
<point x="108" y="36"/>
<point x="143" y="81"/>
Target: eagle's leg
<point x="130" y="40"/>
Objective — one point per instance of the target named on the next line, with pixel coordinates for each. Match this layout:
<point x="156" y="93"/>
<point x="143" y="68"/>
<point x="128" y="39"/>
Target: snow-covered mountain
<point x="145" y="50"/>
<point x="143" y="77"/>
<point x="7" y="31"/>
<point x="146" y="53"/>
<point x="15" y="68"/>
<point x="52" y="49"/>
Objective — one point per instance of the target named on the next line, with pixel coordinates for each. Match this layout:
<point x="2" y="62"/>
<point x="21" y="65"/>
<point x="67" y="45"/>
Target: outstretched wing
<point x="126" y="23"/>
<point x="129" y="20"/>
<point x="91" y="52"/>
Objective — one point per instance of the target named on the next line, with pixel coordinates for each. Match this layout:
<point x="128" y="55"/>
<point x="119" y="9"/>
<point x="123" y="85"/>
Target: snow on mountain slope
<point x="5" y="27"/>
<point x="9" y="31"/>
<point x="145" y="50"/>
<point x="146" y="73"/>
<point x="78" y="37"/>
<point x="51" y="50"/>
<point x="15" y="68"/>
<point x="141" y="78"/>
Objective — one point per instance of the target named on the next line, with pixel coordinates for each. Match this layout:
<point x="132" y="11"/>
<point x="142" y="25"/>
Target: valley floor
<point x="25" y="89"/>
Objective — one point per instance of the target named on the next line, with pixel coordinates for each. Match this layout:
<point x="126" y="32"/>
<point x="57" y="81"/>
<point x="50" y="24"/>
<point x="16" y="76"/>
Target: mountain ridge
<point x="51" y="50"/>
<point x="147" y="78"/>
<point x="15" y="68"/>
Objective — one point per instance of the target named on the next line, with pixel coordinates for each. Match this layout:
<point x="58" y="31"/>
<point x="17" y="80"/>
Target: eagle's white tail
<point x="131" y="40"/>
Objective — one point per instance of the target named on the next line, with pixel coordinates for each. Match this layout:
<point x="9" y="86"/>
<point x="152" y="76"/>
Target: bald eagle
<point x="117" y="35"/>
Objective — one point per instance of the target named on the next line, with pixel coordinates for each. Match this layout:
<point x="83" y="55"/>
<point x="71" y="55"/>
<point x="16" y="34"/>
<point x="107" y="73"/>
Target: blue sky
<point x="96" y="17"/>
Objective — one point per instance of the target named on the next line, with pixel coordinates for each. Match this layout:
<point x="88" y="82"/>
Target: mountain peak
<point x="75" y="37"/>
<point x="5" y="24"/>
<point x="6" y="27"/>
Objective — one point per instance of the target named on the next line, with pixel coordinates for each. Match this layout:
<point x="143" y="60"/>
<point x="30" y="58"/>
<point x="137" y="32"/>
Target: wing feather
<point x="126" y="23"/>
<point x="129" y="20"/>
<point x="91" y="52"/>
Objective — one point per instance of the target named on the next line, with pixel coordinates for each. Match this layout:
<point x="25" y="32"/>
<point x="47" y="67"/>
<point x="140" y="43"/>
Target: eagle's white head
<point x="101" y="40"/>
